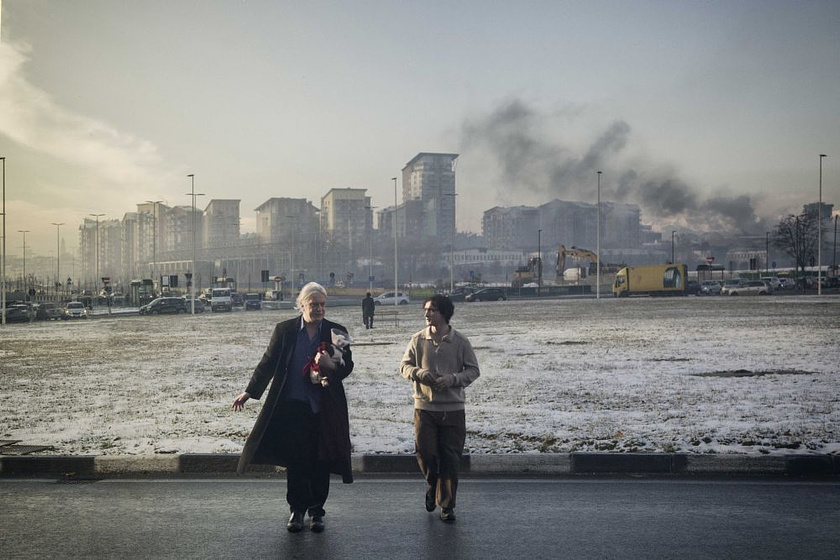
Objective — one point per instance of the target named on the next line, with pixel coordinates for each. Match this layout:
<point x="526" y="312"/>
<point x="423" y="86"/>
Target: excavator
<point x="577" y="253"/>
<point x="525" y="274"/>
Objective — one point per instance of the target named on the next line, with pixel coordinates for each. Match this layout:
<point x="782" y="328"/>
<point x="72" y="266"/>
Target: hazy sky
<point x="708" y="114"/>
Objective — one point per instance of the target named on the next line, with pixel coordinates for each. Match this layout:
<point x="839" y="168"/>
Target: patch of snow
<point x="642" y="375"/>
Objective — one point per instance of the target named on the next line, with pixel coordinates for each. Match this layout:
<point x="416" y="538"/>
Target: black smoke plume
<point x="513" y="136"/>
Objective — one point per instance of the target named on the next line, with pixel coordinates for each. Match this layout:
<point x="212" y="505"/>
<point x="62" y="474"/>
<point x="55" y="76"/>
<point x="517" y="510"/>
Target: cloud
<point x="34" y="120"/>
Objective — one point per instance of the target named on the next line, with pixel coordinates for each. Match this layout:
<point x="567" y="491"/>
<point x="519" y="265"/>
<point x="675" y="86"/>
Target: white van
<point x="220" y="300"/>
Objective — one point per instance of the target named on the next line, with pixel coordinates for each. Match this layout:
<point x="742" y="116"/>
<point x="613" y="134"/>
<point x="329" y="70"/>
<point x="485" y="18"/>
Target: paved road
<point x="385" y="518"/>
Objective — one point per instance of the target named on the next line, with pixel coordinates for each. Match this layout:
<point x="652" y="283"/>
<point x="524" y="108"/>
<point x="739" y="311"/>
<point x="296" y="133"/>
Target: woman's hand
<point x="239" y="402"/>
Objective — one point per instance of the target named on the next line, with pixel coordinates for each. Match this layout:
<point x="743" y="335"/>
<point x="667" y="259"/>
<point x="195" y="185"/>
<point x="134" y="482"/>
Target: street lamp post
<point x="598" y="245"/>
<point x="452" y="245"/>
<point x="539" y="262"/>
<point x="57" y="257"/>
<point x="3" y="264"/>
<point x="834" y="260"/>
<point x="673" y="252"/>
<point x="767" y="253"/>
<point x="370" y="249"/>
<point x="396" y="253"/>
<point x="194" y="278"/>
<point x="154" y="204"/>
<point x="25" y="291"/>
<point x="819" y="234"/>
<point x="292" y="252"/>
<point x="96" y="248"/>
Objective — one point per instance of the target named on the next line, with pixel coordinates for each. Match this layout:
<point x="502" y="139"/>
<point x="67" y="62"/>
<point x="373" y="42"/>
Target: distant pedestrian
<point x="440" y="362"/>
<point x="303" y="424"/>
<point x="368" y="309"/>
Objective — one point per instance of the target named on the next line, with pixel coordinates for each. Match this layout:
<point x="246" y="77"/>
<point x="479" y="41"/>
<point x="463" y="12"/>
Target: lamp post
<point x="539" y="262"/>
<point x="292" y="253"/>
<point x="452" y="245"/>
<point x="396" y="260"/>
<point x="154" y="204"/>
<point x="819" y="234"/>
<point x="598" y="245"/>
<point x="834" y="260"/>
<point x="96" y="278"/>
<point x="767" y="253"/>
<point x="673" y="246"/>
<point x="194" y="278"/>
<point x="57" y="256"/>
<point x="370" y="248"/>
<point x="3" y="264"/>
<point x="25" y="291"/>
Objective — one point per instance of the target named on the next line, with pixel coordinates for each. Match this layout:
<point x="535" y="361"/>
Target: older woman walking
<point x="303" y="425"/>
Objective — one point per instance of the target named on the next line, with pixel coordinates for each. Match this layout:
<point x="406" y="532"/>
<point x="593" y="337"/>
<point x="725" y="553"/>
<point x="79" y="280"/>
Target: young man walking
<point x="440" y="363"/>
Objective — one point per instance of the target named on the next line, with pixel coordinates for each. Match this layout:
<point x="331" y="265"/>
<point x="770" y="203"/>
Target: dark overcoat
<point x="334" y="440"/>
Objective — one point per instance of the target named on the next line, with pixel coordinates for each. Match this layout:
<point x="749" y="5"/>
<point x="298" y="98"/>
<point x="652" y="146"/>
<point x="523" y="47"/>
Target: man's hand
<point x="325" y="362"/>
<point x="239" y="402"/>
<point x="426" y="378"/>
<point x="444" y="382"/>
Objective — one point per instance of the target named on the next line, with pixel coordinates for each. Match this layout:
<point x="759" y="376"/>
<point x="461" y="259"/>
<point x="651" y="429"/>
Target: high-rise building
<point x="221" y="223"/>
<point x="429" y="178"/>
<point x="513" y="228"/>
<point x="346" y="223"/>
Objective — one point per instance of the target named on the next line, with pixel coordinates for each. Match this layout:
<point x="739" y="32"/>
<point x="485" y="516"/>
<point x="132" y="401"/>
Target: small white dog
<point x="340" y="342"/>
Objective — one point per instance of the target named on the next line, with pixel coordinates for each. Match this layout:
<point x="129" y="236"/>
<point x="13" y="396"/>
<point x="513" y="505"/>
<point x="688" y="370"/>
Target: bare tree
<point x="798" y="236"/>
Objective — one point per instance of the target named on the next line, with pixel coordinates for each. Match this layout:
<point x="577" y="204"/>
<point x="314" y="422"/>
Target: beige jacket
<point x="454" y="355"/>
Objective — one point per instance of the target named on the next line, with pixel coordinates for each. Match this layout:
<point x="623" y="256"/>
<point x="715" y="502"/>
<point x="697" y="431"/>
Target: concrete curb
<point x="548" y="464"/>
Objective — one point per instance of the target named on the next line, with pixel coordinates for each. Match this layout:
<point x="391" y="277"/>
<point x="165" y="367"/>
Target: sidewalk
<point x="536" y="465"/>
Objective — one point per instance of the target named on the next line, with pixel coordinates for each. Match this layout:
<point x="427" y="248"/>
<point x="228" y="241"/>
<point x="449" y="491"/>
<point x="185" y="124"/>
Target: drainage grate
<point x="14" y="449"/>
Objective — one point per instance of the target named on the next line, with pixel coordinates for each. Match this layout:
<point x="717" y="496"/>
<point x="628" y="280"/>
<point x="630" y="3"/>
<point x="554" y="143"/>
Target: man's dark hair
<point x="368" y="294"/>
<point x="443" y="304"/>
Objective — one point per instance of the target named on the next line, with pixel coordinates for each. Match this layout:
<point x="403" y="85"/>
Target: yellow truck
<point x="652" y="280"/>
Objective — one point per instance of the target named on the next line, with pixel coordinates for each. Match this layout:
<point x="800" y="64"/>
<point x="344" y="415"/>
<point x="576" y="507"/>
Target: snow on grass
<point x="697" y="375"/>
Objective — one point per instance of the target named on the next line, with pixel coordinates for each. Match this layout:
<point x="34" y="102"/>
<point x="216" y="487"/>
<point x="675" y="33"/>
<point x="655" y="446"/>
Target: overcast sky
<point x="709" y="114"/>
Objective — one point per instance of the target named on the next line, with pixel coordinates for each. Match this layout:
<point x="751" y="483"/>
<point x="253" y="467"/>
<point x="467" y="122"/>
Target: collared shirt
<point x="298" y="385"/>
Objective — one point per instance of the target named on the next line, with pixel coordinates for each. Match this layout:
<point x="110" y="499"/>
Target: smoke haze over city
<point x="709" y="116"/>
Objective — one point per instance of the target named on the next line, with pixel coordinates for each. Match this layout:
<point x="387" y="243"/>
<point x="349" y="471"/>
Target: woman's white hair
<point x="306" y="293"/>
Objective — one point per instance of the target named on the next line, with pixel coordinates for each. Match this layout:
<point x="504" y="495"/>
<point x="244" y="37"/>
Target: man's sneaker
<point x="295" y="524"/>
<point x="316" y="524"/>
<point x="447" y="515"/>
<point x="430" y="500"/>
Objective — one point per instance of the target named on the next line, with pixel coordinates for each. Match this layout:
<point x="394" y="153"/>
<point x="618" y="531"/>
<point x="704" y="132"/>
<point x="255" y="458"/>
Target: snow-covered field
<point x="697" y="375"/>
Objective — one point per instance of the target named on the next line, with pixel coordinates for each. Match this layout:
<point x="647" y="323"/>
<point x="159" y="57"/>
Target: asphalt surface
<point x="629" y="517"/>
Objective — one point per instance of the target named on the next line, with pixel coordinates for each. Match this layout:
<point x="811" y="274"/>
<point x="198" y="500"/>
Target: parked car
<point x="786" y="283"/>
<point x="49" y="312"/>
<point x="253" y="301"/>
<point x="388" y="298"/>
<point x="163" y="305"/>
<point x="710" y="288"/>
<point x="20" y="313"/>
<point x="75" y="310"/>
<point x="461" y="292"/>
<point x="487" y="294"/>
<point x="751" y="288"/>
<point x="692" y="288"/>
<point x="728" y="285"/>
<point x="199" y="305"/>
<point x="772" y="281"/>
